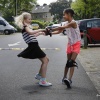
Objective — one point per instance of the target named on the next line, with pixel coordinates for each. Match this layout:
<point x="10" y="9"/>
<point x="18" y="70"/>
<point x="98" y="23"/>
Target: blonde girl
<point x="33" y="51"/>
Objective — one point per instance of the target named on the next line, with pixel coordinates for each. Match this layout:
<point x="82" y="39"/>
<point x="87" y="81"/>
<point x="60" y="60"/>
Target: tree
<point x="58" y="7"/>
<point x="7" y="7"/>
<point x="86" y="8"/>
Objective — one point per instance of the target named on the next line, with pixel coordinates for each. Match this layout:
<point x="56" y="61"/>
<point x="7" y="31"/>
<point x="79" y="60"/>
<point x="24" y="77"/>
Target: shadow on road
<point x="32" y="89"/>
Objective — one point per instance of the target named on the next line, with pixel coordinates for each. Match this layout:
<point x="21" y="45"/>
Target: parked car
<point x="53" y="26"/>
<point x="92" y="26"/>
<point x="35" y="26"/>
<point x="57" y="25"/>
<point x="5" y="27"/>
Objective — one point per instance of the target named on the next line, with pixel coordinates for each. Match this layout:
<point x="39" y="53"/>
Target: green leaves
<point x="86" y="8"/>
<point x="58" y="7"/>
<point x="7" y="7"/>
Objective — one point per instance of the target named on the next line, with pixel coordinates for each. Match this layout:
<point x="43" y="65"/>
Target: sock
<point x="64" y="77"/>
<point x="39" y="74"/>
<point x="43" y="79"/>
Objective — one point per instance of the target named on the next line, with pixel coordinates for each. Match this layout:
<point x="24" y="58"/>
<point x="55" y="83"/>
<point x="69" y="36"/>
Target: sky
<point x="41" y="2"/>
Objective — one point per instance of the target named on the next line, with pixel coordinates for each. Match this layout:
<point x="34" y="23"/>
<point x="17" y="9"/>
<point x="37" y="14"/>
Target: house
<point x="42" y="13"/>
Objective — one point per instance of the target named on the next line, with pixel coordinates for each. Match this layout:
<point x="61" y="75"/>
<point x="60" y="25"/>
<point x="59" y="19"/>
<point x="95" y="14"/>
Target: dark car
<point x="92" y="26"/>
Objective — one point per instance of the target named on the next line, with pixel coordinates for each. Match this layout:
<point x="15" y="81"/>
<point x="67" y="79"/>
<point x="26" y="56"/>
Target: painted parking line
<point x="17" y="49"/>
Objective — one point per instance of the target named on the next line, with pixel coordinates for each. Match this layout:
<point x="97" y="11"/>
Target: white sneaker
<point x="44" y="83"/>
<point x="38" y="77"/>
<point x="63" y="81"/>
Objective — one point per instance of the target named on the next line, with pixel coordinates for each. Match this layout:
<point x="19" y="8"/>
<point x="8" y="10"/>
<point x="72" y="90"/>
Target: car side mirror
<point x="4" y="24"/>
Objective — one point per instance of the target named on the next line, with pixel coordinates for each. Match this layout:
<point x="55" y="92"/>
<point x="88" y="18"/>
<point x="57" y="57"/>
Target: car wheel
<point x="6" y="32"/>
<point x="64" y="32"/>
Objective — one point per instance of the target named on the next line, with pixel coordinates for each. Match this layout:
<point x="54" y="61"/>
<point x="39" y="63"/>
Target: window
<point x="94" y="23"/>
<point x="2" y="22"/>
<point x="82" y="25"/>
<point x="89" y="24"/>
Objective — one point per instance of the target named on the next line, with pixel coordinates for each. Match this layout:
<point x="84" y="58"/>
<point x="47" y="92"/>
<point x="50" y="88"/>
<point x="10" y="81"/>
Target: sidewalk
<point x="90" y="60"/>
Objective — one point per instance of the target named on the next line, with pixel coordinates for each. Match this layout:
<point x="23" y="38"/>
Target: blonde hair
<point x="20" y="19"/>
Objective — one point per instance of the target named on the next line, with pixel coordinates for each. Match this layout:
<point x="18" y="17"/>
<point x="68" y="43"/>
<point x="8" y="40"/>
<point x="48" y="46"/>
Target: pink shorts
<point x="73" y="48"/>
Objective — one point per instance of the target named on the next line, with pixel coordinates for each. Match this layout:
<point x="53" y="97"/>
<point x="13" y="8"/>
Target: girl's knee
<point x="46" y="60"/>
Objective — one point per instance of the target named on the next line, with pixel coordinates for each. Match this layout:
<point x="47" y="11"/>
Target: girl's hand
<point x="43" y="33"/>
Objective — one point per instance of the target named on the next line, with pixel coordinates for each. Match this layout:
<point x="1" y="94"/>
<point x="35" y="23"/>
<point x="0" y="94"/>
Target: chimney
<point x="44" y="4"/>
<point x="37" y="5"/>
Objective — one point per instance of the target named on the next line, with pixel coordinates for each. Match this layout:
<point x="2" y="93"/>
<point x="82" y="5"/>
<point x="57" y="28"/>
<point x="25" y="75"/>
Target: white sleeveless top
<point x="73" y="34"/>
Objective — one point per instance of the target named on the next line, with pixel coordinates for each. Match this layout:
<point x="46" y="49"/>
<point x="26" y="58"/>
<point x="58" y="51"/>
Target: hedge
<point x="40" y="23"/>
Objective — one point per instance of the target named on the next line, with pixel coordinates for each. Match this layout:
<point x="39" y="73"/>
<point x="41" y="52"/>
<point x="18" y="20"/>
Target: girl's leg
<point x="40" y="71"/>
<point x="66" y="68"/>
<point x="43" y="68"/>
<point x="43" y="71"/>
<point x="73" y="57"/>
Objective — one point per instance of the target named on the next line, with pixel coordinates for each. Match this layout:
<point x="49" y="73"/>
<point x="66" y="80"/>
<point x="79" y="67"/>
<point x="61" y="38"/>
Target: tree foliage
<point x="86" y="8"/>
<point x="7" y="7"/>
<point x="58" y="7"/>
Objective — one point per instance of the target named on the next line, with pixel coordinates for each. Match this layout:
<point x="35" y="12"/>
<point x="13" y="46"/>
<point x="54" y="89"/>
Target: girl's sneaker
<point x="63" y="80"/>
<point x="44" y="83"/>
<point x="38" y="76"/>
<point x="68" y="83"/>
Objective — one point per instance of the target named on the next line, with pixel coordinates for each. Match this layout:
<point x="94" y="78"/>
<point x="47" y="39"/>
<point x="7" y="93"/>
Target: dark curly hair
<point x="69" y="11"/>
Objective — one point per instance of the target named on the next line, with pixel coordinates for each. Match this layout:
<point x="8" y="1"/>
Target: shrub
<point x="51" y="23"/>
<point x="40" y="23"/>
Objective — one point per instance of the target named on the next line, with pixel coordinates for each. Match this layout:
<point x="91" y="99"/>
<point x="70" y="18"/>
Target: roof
<point x="88" y="19"/>
<point x="41" y="9"/>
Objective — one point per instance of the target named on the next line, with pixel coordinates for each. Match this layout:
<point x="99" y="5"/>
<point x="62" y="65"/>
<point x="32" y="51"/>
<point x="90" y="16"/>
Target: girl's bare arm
<point x="57" y="32"/>
<point x="72" y="24"/>
<point x="32" y="32"/>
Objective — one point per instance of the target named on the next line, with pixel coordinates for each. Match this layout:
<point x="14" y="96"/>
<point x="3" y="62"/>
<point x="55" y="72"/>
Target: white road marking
<point x="56" y="49"/>
<point x="14" y="44"/>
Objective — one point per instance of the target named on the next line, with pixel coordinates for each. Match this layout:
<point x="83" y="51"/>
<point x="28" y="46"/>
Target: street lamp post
<point x="15" y="7"/>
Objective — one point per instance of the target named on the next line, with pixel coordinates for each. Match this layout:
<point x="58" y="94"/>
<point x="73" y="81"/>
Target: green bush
<point x="51" y="23"/>
<point x="40" y="23"/>
<point x="56" y="22"/>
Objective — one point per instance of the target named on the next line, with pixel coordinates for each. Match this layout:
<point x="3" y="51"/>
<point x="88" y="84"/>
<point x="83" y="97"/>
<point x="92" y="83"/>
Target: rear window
<point x="93" y="23"/>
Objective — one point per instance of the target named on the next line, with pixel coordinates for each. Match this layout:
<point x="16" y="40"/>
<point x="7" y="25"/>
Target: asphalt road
<point x="17" y="80"/>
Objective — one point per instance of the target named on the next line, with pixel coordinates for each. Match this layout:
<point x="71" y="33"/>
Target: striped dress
<point x="33" y="51"/>
<point x="27" y="37"/>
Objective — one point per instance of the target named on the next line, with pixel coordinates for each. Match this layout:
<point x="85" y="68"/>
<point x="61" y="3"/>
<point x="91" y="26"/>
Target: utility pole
<point x="15" y="7"/>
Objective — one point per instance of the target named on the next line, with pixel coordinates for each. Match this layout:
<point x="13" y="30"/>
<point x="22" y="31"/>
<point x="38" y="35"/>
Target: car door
<point x="2" y="25"/>
<point x="93" y="28"/>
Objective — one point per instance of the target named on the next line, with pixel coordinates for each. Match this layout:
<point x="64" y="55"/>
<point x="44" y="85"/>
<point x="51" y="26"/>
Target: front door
<point x="2" y="25"/>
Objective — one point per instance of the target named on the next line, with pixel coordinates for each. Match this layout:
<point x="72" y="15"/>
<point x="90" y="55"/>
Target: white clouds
<point x="41" y="2"/>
